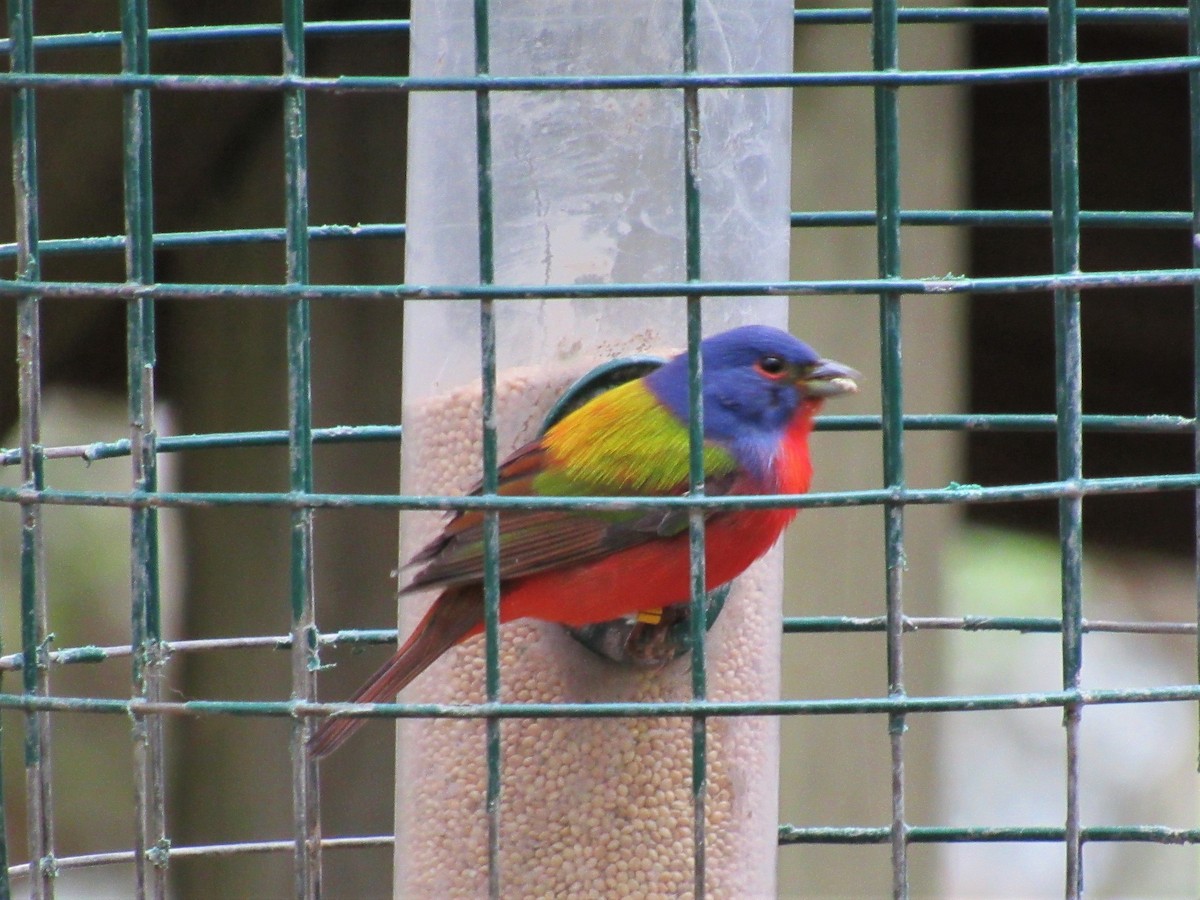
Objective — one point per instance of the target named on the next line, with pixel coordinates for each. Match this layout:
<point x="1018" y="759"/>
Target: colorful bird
<point x="761" y="389"/>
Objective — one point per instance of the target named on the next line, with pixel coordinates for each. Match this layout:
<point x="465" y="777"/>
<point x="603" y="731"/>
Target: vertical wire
<point x="491" y="519"/>
<point x="1064" y="186"/>
<point x="696" y="545"/>
<point x="886" y="57"/>
<point x="305" y="790"/>
<point x="1194" y="110"/>
<point x="35" y="661"/>
<point x="35" y="670"/>
<point x="150" y="842"/>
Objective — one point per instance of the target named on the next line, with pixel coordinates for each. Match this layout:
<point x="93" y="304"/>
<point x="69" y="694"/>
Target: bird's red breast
<point x="657" y="573"/>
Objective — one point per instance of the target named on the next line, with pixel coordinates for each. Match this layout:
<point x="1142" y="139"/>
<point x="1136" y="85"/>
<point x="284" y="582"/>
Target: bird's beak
<point x="826" y="378"/>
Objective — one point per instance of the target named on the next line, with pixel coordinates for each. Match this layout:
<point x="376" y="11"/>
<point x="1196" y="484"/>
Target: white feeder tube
<point x="588" y="188"/>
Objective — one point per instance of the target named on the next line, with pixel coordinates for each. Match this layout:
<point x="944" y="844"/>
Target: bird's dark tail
<point x="454" y="616"/>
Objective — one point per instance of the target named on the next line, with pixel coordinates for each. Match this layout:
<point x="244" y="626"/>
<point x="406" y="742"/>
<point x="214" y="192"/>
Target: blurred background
<point x="218" y="164"/>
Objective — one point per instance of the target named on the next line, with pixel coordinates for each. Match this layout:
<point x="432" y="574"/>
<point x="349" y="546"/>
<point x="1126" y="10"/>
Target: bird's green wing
<point x="643" y="455"/>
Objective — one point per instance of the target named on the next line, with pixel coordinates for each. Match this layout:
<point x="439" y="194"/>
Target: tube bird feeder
<point x="587" y="188"/>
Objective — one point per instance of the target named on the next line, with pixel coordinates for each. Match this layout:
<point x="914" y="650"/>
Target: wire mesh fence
<point x="33" y="79"/>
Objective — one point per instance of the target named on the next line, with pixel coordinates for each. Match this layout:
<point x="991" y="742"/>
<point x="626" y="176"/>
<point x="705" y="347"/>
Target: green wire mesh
<point x="141" y="291"/>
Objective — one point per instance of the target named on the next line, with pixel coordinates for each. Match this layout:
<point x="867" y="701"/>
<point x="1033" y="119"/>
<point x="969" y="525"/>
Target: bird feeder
<point x="588" y="188"/>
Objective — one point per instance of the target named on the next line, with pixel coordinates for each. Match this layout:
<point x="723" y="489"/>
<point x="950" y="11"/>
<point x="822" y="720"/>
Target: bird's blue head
<point x="755" y="380"/>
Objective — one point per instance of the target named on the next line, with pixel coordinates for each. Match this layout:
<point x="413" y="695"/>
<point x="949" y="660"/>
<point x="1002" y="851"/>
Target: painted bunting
<point x="761" y="390"/>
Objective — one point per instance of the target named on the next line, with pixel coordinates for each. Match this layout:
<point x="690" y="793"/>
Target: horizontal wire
<point x="947" y="284"/>
<point x="998" y="15"/>
<point x="1020" y="624"/>
<point x="1017" y="218"/>
<point x="789" y="835"/>
<point x="168" y="239"/>
<point x="116" y="857"/>
<point x="207" y="33"/>
<point x="97" y="450"/>
<point x="1007" y="422"/>
<point x="273" y="31"/>
<point x="1124" y="68"/>
<point x="901" y="704"/>
<point x="791" y="625"/>
<point x="1010" y="422"/>
<point x="929" y="834"/>
<point x="96" y="654"/>
<point x="952" y="494"/>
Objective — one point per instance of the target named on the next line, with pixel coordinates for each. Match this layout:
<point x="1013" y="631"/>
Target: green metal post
<point x="34" y="637"/>
<point x="699" y="633"/>
<point x="1064" y="186"/>
<point x="305" y="790"/>
<point x="1194" y="110"/>
<point x="886" y="58"/>
<point x="491" y="523"/>
<point x="150" y="841"/>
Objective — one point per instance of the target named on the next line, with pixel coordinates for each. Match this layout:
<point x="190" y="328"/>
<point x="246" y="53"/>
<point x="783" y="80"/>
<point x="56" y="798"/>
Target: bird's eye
<point x="771" y="366"/>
